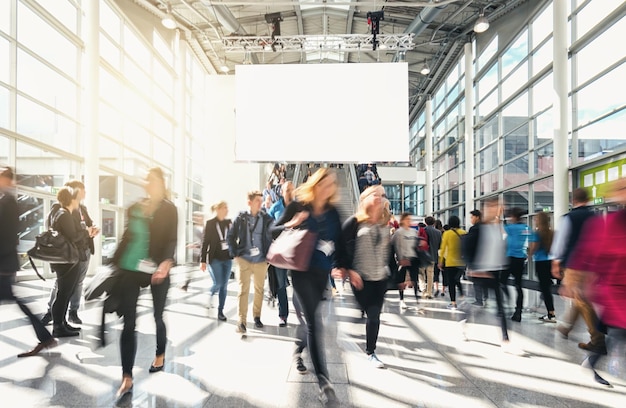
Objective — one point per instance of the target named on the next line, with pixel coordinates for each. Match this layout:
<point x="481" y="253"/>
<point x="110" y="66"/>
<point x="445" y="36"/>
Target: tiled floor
<point x="428" y="362"/>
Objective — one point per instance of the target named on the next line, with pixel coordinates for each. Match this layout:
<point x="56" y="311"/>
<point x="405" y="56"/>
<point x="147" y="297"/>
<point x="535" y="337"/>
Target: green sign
<point x="598" y="179"/>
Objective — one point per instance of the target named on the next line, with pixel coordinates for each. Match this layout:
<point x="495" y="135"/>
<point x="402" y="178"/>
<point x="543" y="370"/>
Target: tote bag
<point x="292" y="249"/>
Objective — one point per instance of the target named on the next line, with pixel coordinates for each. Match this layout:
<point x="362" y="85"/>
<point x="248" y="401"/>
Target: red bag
<point x="292" y="249"/>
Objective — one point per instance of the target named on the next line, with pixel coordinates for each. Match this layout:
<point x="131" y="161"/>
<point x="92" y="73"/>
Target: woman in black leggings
<point x="540" y="242"/>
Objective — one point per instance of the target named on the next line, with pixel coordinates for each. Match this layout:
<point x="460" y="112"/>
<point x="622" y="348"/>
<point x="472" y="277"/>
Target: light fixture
<point x="425" y="69"/>
<point x="246" y="58"/>
<point x="168" y="20"/>
<point x="482" y="24"/>
<point x="224" y="68"/>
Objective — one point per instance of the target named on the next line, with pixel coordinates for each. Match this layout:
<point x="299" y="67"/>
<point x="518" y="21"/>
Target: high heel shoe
<point x="122" y="392"/>
<point x="156" y="369"/>
<point x="50" y="343"/>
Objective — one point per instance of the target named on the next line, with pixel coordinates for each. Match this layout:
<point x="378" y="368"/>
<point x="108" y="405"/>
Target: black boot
<point x="71" y="328"/>
<point x="73" y="317"/>
<point x="47" y="318"/>
<point x="62" y="331"/>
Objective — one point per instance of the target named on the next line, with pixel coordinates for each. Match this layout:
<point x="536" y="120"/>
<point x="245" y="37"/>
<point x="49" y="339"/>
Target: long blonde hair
<point x="361" y="214"/>
<point x="305" y="193"/>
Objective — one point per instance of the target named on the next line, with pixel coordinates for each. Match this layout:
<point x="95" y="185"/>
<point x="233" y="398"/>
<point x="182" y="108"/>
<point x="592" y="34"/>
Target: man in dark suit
<point x="9" y="265"/>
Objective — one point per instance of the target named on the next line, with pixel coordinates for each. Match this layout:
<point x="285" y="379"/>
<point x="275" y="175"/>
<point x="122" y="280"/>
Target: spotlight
<point x="482" y="24"/>
<point x="425" y="69"/>
<point x="224" y="68"/>
<point x="168" y="20"/>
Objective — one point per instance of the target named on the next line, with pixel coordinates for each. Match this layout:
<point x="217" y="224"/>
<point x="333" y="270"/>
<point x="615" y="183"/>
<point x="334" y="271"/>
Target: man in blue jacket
<point x="248" y="242"/>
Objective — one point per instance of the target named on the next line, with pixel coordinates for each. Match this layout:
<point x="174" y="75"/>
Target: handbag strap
<point x="35" y="268"/>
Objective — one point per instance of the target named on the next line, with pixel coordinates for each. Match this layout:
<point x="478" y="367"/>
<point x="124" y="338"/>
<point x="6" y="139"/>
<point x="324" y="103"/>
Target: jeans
<point x="545" y="283"/>
<point x="281" y="293"/>
<point x="67" y="277"/>
<point x="131" y="284"/>
<point x="74" y="304"/>
<point x="371" y="298"/>
<point x="516" y="268"/>
<point x="6" y="293"/>
<point x="220" y="272"/>
<point x="309" y="287"/>
<point x="301" y="331"/>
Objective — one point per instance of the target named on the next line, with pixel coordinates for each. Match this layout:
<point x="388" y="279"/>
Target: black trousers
<point x="544" y="273"/>
<point x="453" y="279"/>
<point x="371" y="299"/>
<point x="6" y="293"/>
<point x="131" y="284"/>
<point x="516" y="268"/>
<point x="494" y="283"/>
<point x="67" y="279"/>
<point x="309" y="287"/>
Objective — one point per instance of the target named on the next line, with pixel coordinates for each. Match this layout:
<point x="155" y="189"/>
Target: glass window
<point x="489" y="182"/>
<point x="57" y="49"/>
<point x="65" y="12"/>
<point x="163" y="77"/>
<point x="4" y="107"/>
<point x="108" y="189"/>
<point x="42" y="169"/>
<point x="136" y="76"/>
<point x="488" y="158"/>
<point x="543" y="195"/>
<point x="515" y="142"/>
<point x="516" y="53"/>
<point x="517" y="110"/>
<point x="110" y="87"/>
<point x="136" y="48"/>
<point x="543" y="127"/>
<point x="544" y="160"/>
<point x="394" y="196"/>
<point x="46" y="85"/>
<point x="162" y="152"/>
<point x="5" y="67"/>
<point x="488" y="52"/>
<point x="4" y="149"/>
<point x="109" y="21"/>
<point x="516" y="171"/>
<point x="31" y="224"/>
<point x="49" y="127"/>
<point x="600" y="97"/>
<point x="542" y="26"/>
<point x="595" y="58"/>
<point x="132" y="193"/>
<point x="5" y="16"/>
<point x="110" y="152"/>
<point x="542" y="57"/>
<point x="488" y="82"/>
<point x="515" y="81"/>
<point x="489" y="104"/>
<point x="487" y="133"/>
<point x="603" y="136"/>
<point x="110" y="121"/>
<point x="162" y="47"/>
<point x="109" y="51"/>
<point x="517" y="197"/>
<point x="542" y="94"/>
<point x="592" y="13"/>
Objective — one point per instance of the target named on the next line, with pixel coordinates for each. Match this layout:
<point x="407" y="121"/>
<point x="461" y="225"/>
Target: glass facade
<point x="42" y="110"/>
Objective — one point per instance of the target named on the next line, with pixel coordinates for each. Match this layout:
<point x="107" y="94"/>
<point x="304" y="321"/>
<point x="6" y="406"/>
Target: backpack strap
<point x="35" y="268"/>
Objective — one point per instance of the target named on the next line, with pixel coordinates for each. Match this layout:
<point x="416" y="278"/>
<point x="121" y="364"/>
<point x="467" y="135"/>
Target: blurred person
<point x="434" y="243"/>
<point x="68" y="274"/>
<point x="248" y="241"/>
<point x="405" y="242"/>
<point x="480" y="293"/>
<point x="9" y="265"/>
<point x="145" y="257"/>
<point x="269" y="191"/>
<point x="517" y="234"/>
<point x="363" y="258"/>
<point x="306" y="176"/>
<point x="81" y="216"/>
<point x="540" y="242"/>
<point x="267" y="204"/>
<point x="450" y="250"/>
<point x="315" y="210"/>
<point x="277" y="210"/>
<point x="598" y="259"/>
<point x="215" y="250"/>
<point x="565" y="240"/>
<point x="438" y="274"/>
<point x="485" y="253"/>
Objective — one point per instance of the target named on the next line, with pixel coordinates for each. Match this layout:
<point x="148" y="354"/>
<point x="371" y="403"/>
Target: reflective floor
<point x="429" y="362"/>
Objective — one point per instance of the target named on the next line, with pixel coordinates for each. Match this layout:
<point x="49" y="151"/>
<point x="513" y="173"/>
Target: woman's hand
<point x="338" y="273"/>
<point x="355" y="279"/>
<point x="162" y="272"/>
<point x="297" y="219"/>
<point x="203" y="266"/>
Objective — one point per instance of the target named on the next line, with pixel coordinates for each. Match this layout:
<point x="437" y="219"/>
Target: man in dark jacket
<point x="248" y="242"/>
<point x="9" y="219"/>
<point x="434" y="242"/>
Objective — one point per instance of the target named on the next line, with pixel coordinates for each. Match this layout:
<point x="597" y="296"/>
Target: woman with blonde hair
<point x="215" y="247"/>
<point x="314" y="210"/>
<point x="145" y="256"/>
<point x="363" y="258"/>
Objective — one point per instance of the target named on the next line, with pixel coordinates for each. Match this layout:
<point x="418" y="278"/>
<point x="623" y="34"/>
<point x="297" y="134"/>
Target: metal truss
<point x="305" y="43"/>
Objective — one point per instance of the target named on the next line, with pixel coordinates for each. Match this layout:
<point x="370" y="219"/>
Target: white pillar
<point x="180" y="149"/>
<point x="428" y="146"/>
<point x="470" y="190"/>
<point x="91" y="137"/>
<point x="561" y="185"/>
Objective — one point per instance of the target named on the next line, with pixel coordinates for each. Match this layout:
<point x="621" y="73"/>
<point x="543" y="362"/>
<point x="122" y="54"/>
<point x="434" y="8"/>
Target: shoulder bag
<point x="292" y="249"/>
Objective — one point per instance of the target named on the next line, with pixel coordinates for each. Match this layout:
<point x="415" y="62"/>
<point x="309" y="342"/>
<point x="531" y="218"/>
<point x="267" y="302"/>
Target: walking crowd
<point x="369" y="250"/>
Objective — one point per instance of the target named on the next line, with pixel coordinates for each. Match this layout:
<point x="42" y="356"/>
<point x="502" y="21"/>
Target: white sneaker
<point x="403" y="305"/>
<point x="212" y="302"/>
<point x="451" y="306"/>
<point x="374" y="361"/>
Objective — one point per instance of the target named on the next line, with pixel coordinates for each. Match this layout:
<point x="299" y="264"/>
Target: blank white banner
<point x="322" y="112"/>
